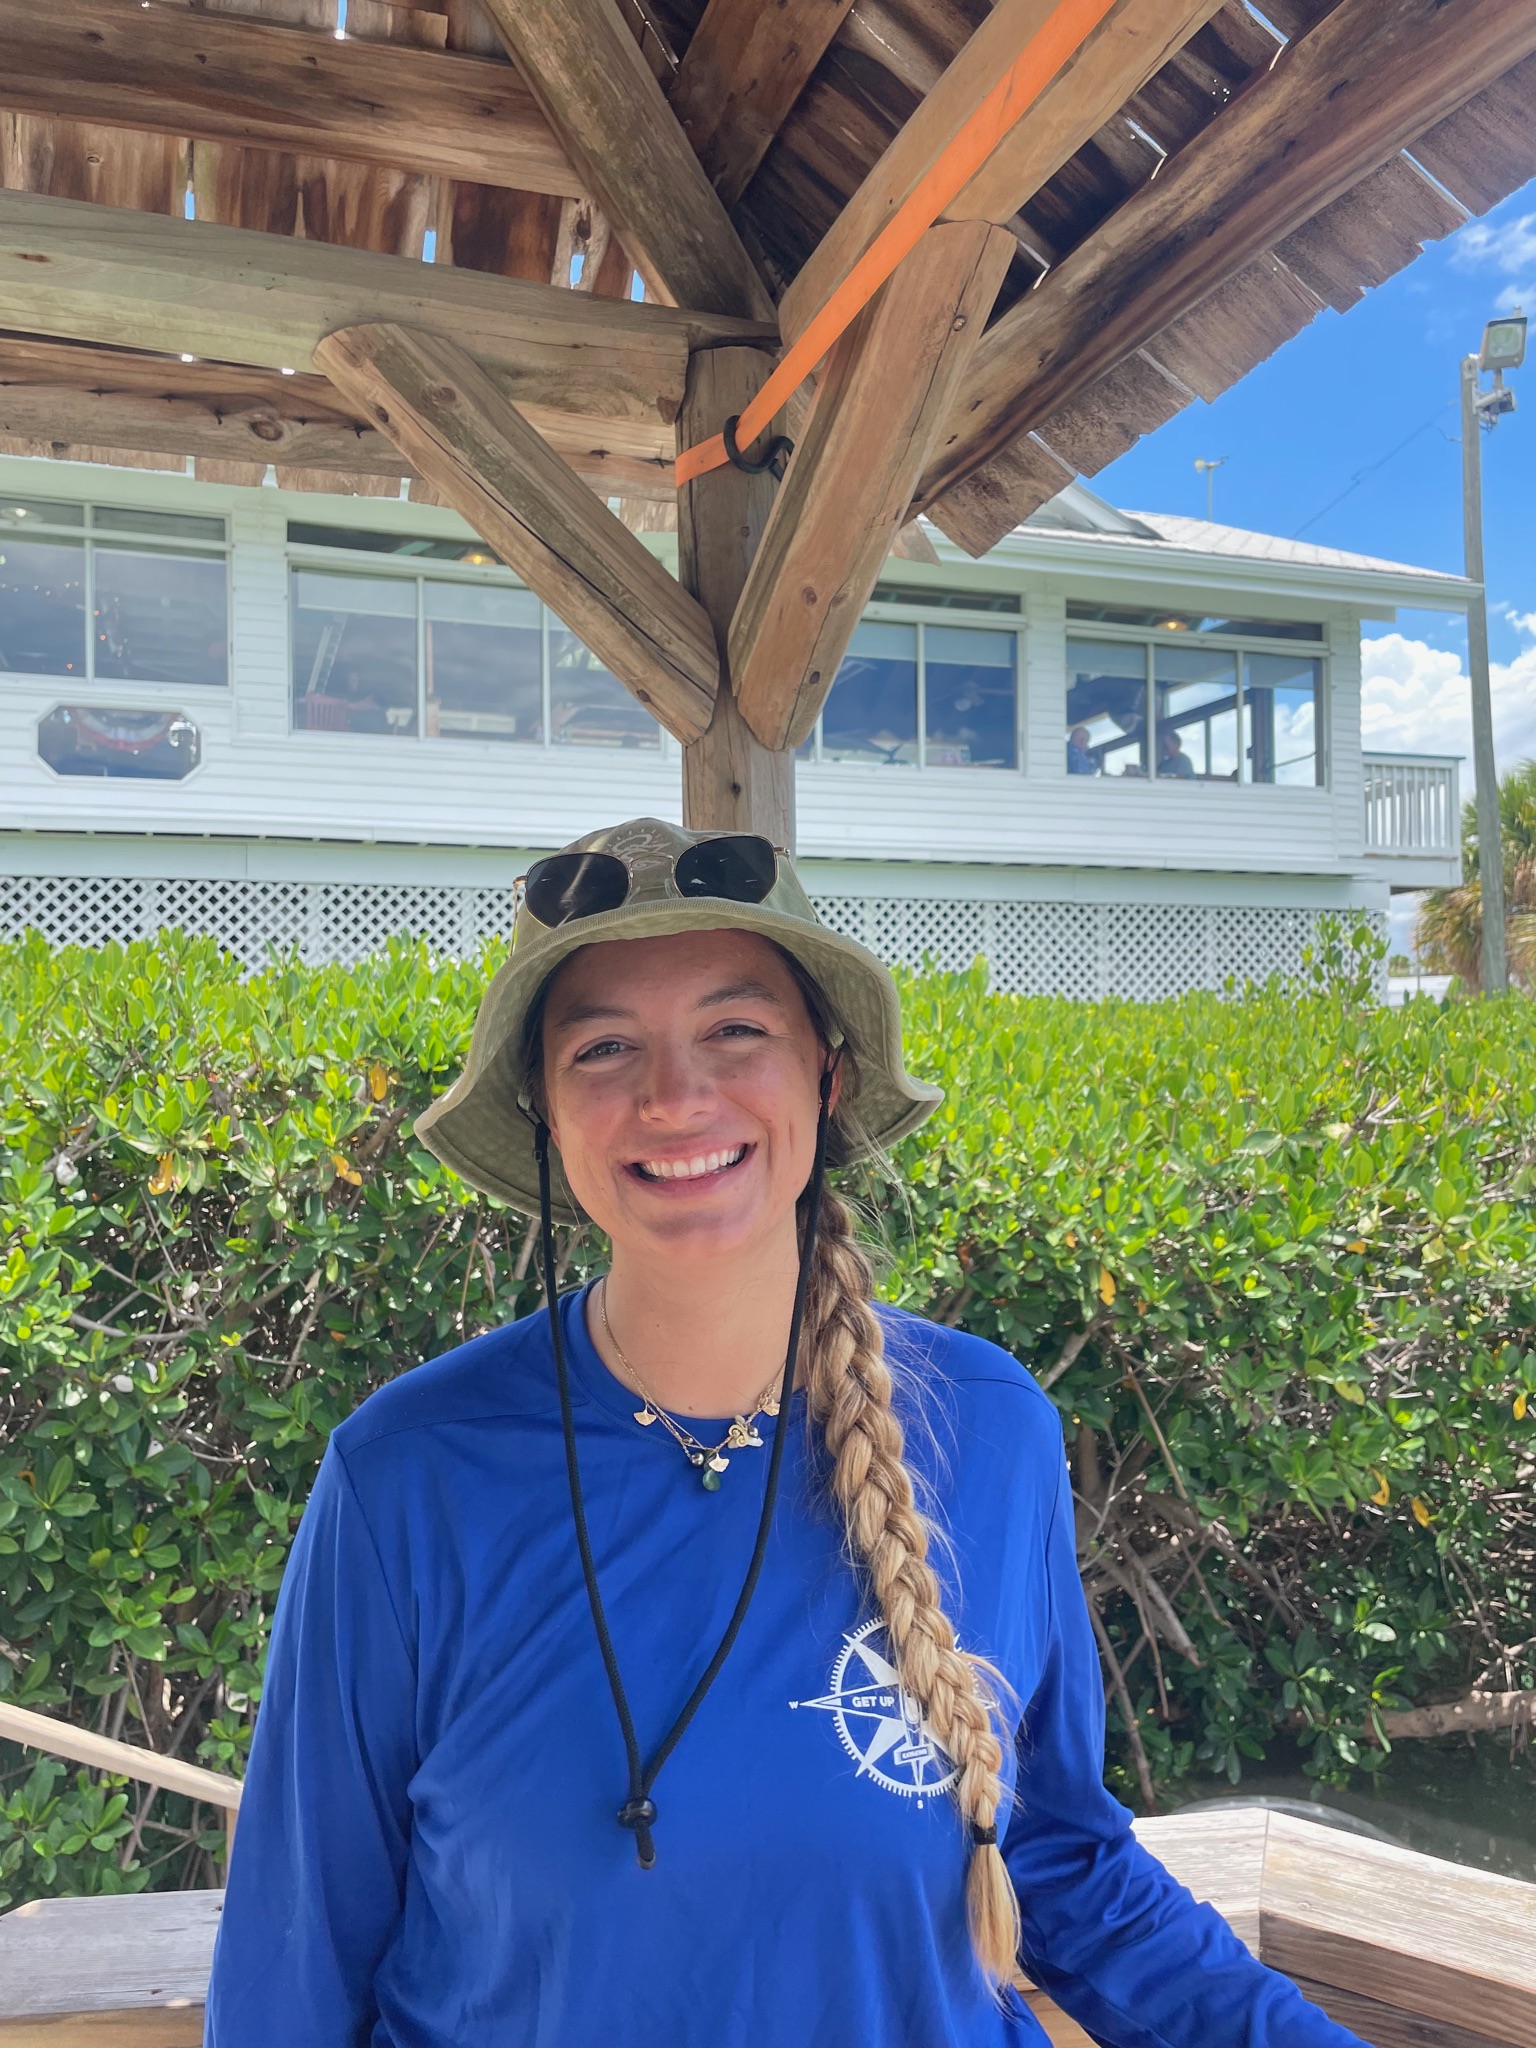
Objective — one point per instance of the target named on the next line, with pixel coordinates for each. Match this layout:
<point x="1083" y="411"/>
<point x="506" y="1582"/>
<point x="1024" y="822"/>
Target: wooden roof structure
<point x="214" y="217"/>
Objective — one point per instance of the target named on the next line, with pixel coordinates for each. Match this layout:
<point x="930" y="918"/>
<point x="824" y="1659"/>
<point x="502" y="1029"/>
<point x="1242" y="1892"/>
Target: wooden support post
<point x="731" y="781"/>
<point x="455" y="428"/>
<point x="889" y="386"/>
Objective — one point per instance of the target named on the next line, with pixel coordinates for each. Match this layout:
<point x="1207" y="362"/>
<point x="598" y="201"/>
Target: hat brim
<point x="481" y="1129"/>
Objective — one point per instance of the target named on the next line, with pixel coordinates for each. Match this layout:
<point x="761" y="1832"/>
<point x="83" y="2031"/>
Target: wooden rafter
<point x="602" y="100"/>
<point x="137" y="280"/>
<point x="1134" y="38"/>
<point x="888" y="386"/>
<point x="221" y="78"/>
<point x="113" y="398"/>
<point x="1338" y="104"/>
<point x="743" y="70"/>
<point x="456" y="429"/>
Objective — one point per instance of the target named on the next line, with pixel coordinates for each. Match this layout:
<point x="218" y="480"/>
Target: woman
<point x="620" y="1689"/>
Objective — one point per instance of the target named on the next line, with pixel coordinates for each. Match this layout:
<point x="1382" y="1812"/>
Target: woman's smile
<point x="695" y="1167"/>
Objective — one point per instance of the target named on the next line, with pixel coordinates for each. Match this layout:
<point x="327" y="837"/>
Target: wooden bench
<point x="1408" y="1951"/>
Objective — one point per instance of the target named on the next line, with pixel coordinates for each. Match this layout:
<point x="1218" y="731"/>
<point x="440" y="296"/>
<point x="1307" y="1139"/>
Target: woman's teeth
<point x="691" y="1169"/>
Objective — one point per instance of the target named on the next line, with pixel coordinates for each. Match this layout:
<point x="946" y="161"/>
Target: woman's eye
<point x="741" y="1030"/>
<point x="604" y="1049"/>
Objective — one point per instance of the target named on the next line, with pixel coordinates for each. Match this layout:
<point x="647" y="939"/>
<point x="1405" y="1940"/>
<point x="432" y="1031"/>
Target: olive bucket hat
<point x="643" y="880"/>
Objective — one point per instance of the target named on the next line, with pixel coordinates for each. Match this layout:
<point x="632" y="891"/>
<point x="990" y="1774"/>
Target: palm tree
<point x="1449" y="935"/>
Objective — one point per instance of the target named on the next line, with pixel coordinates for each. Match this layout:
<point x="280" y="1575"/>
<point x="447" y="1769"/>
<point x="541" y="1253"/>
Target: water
<point x="1469" y="1805"/>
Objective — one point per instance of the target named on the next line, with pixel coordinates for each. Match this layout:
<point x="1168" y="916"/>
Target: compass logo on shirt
<point x="880" y="1725"/>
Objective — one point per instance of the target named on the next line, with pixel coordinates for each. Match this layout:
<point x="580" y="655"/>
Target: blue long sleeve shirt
<point x="428" y="1854"/>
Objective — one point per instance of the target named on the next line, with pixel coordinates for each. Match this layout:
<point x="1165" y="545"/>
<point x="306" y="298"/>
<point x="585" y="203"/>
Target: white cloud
<point x="1509" y="248"/>
<point x="1416" y="699"/>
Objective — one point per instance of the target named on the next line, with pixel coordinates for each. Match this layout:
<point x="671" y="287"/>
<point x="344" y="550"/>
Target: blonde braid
<point x="849" y="1389"/>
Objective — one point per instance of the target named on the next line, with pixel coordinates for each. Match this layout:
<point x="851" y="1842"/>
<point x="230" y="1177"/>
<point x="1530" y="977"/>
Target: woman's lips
<point x="698" y="1166"/>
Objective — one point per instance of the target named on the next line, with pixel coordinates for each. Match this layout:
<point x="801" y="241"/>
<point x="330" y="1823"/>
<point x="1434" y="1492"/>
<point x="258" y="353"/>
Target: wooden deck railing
<point x="1408" y="1951"/>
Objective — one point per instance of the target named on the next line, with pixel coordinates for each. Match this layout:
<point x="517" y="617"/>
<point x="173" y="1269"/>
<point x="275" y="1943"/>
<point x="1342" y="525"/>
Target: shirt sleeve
<point x="317" y="1878"/>
<point x="1114" y="1939"/>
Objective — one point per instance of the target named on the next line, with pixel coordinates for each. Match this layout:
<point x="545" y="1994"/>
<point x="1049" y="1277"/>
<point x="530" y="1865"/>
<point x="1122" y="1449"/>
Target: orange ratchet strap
<point x="1064" y="32"/>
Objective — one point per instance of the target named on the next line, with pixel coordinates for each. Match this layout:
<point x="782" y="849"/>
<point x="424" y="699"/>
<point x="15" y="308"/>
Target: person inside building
<point x="703" y="1658"/>
<point x="1171" y="757"/>
<point x="1080" y="756"/>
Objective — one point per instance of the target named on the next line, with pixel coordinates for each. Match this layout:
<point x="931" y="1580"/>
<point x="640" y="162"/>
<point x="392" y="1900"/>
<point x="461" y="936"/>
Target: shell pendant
<point x="645" y="1417"/>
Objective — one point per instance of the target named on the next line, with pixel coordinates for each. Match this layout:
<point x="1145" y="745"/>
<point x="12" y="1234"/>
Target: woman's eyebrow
<point x="741" y="991"/>
<point x="586" y="1013"/>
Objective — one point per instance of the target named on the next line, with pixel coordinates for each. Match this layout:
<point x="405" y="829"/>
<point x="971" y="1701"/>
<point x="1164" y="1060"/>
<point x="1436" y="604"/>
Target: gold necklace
<point x="710" y="1459"/>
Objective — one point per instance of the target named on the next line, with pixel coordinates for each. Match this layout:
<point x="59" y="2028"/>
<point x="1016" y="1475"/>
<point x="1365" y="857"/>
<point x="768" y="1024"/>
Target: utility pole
<point x="1503" y="348"/>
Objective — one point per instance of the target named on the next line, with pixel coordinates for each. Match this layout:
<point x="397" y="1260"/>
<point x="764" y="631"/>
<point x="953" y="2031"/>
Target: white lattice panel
<point x="1082" y="950"/>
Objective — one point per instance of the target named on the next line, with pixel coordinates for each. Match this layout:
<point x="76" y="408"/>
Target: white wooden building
<point x="1122" y="753"/>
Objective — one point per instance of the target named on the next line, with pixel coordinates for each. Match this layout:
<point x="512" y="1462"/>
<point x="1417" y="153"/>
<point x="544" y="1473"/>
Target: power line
<point x="1370" y="468"/>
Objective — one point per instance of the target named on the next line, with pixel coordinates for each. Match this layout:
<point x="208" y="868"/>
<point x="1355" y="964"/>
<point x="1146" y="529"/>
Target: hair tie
<point x="983" y="1838"/>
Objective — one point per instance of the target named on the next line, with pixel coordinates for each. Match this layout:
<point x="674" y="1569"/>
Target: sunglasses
<point x="739" y="867"/>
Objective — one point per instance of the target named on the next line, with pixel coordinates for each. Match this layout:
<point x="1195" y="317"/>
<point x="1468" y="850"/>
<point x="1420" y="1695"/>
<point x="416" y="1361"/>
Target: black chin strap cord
<point x="639" y="1809"/>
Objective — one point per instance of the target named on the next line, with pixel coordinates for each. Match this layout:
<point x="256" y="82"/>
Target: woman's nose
<point x="675" y="1089"/>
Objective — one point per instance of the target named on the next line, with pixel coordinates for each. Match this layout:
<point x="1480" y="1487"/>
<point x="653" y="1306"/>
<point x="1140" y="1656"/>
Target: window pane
<point x="42" y="607"/>
<point x="972" y="719"/>
<point x="1280" y="697"/>
<point x="588" y="707"/>
<point x="871" y="712"/>
<point x="17" y="514"/>
<point x="304" y="532"/>
<point x="161" y="618"/>
<point x="1106" y="708"/>
<point x="484" y="663"/>
<point x="354" y="653"/>
<point x="1196" y="713"/>
<point x="174" y="525"/>
<point x="945" y="600"/>
<point x="100" y="739"/>
<point x="1192" y="622"/>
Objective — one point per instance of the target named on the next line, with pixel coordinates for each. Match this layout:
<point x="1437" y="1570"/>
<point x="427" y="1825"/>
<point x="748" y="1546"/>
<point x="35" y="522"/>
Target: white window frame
<point x="90" y="537"/>
<point x="1239" y="644"/>
<point x="922" y="617"/>
<point x="401" y="568"/>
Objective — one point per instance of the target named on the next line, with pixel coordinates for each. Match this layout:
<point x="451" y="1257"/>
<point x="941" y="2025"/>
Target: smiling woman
<point x="576" y="1728"/>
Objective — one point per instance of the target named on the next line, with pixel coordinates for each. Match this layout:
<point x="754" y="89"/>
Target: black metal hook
<point x="774" y="457"/>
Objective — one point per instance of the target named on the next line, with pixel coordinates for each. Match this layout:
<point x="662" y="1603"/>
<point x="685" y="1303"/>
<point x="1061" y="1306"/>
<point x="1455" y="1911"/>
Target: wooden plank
<point x="1486" y="149"/>
<point x="84" y="160"/>
<point x="889" y="383"/>
<point x="99" y="1972"/>
<point x="1220" y="1857"/>
<point x="62" y="1738"/>
<point x="1369" y="233"/>
<point x="603" y="102"/>
<point x="456" y="429"/>
<point x="1336" y="106"/>
<point x="731" y="781"/>
<point x="1240" y="324"/>
<point x="64" y="391"/>
<point x="742" y="72"/>
<point x="1119" y="55"/>
<point x="1388" y="2026"/>
<point x="97" y="274"/>
<point x="227" y="79"/>
<point x="1434" y="1939"/>
<point x="1136" y="396"/>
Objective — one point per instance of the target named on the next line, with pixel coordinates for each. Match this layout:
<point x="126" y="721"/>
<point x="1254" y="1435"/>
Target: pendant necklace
<point x="710" y="1459"/>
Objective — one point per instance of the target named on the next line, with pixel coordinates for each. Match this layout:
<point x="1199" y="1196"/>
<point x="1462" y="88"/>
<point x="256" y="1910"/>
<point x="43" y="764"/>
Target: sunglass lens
<point x="739" y="866"/>
<point x="569" y="885"/>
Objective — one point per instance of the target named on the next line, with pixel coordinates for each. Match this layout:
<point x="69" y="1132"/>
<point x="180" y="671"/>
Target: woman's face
<point x="682" y="1080"/>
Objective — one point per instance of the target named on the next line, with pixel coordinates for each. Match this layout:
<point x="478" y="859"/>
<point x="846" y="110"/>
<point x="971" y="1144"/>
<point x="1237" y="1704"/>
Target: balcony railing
<point x="1412" y="804"/>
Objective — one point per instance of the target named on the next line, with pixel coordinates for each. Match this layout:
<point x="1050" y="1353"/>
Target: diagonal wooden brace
<point x="456" y="429"/>
<point x="889" y="384"/>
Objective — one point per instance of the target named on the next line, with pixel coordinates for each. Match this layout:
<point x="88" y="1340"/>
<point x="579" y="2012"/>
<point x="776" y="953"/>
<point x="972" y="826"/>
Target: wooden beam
<point x="221" y="78"/>
<point x="1118" y="57"/>
<point x="136" y="280"/>
<point x="456" y="429"/>
<point x="110" y="398"/>
<point x="1337" y="105"/>
<point x="741" y="74"/>
<point x="126" y="1759"/>
<point x="602" y="100"/>
<point x="731" y="781"/>
<point x="889" y="385"/>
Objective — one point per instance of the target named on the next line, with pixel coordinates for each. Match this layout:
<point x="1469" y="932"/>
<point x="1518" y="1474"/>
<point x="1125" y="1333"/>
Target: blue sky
<point x="1331" y="407"/>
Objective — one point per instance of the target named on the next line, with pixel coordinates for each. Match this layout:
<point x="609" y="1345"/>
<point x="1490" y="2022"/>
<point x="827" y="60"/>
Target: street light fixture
<point x="1503" y="349"/>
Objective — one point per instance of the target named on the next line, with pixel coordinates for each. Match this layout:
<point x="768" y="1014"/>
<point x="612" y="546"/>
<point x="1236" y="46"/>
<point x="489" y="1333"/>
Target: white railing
<point x="1412" y="804"/>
